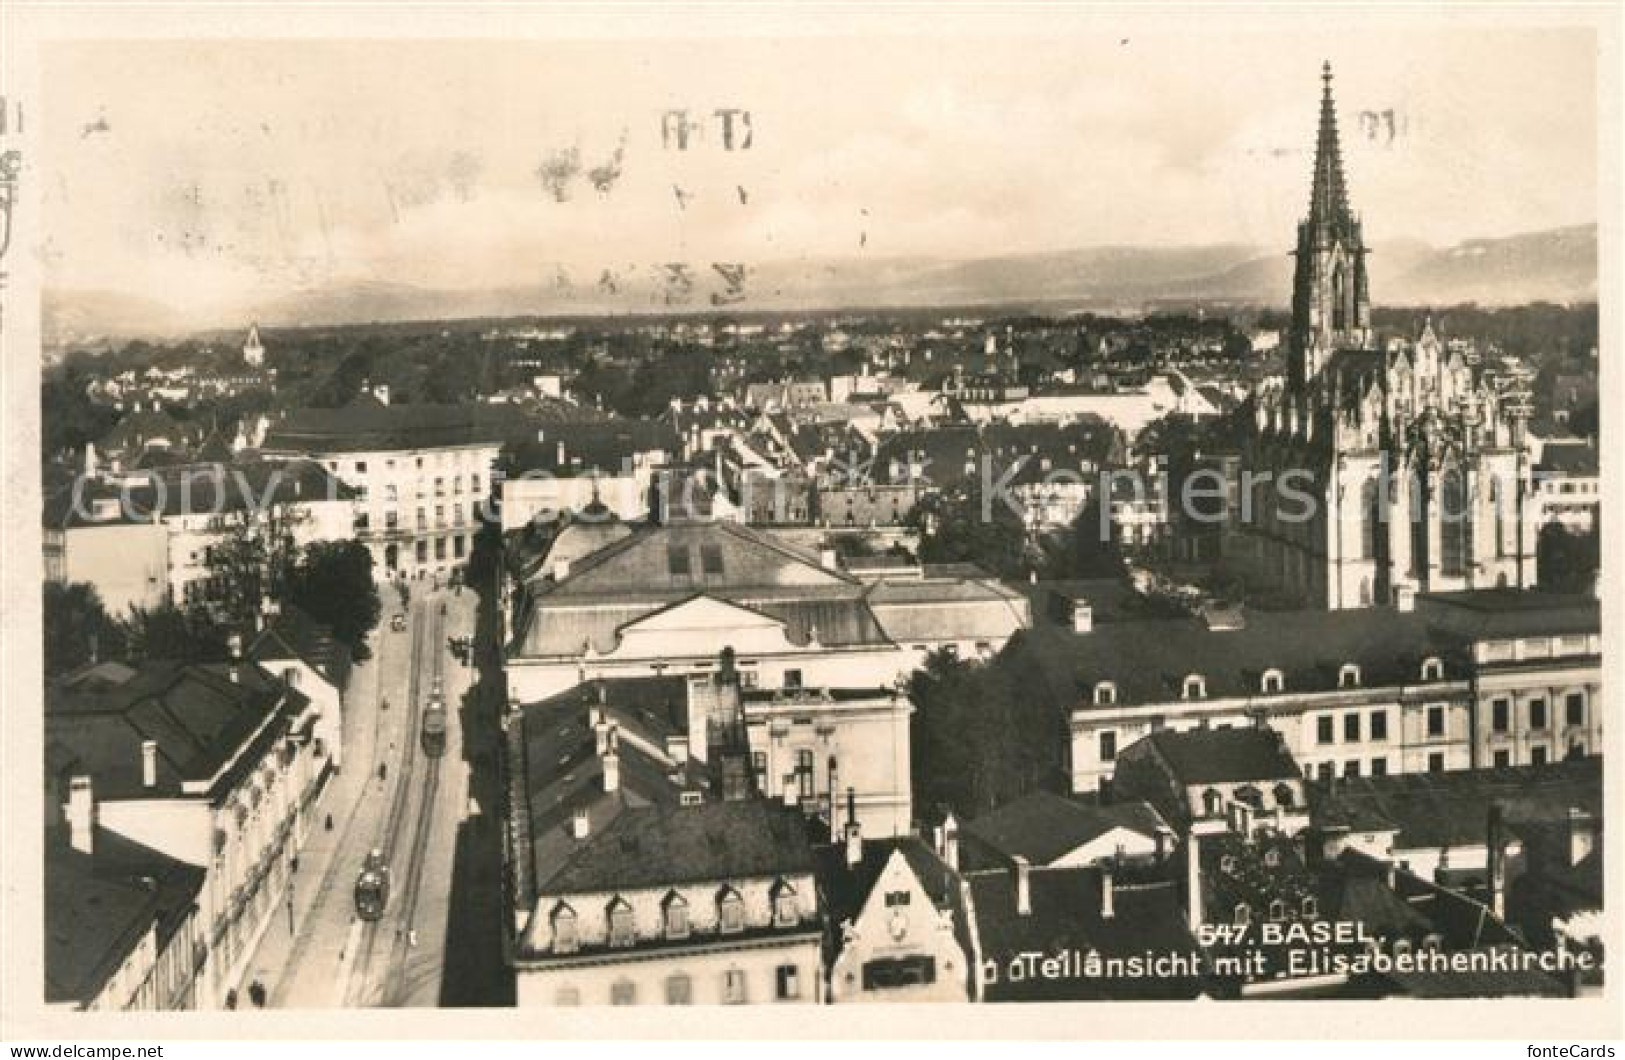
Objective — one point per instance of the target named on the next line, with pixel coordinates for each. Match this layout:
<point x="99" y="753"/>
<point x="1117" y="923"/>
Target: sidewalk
<point x="271" y="961"/>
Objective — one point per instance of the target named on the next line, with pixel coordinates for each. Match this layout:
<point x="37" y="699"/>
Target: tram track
<point x="331" y="877"/>
<point x="401" y="909"/>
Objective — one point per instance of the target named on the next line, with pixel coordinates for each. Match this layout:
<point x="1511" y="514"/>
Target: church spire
<point x="1331" y="303"/>
<point x="1329" y="198"/>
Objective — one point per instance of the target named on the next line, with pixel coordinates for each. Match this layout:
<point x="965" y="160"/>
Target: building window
<point x="623" y="992"/>
<point x="1435" y="721"/>
<point x="1379" y="725"/>
<point x="896" y="898"/>
<point x="1310" y="906"/>
<point x="1348" y="676"/>
<point x="1105" y="694"/>
<point x="1195" y="687"/>
<point x="361" y="521"/>
<point x="711" y="559"/>
<point x="361" y="467"/>
<point x="733" y="987"/>
<point x="679" y="990"/>
<point x="785" y="911"/>
<point x="1574" y="708"/>
<point x="895" y="972"/>
<point x="1379" y="767"/>
<point x="1537" y="713"/>
<point x="1242" y="916"/>
<point x="621" y="933"/>
<point x="1500" y="715"/>
<point x="391" y="494"/>
<point x="677" y="560"/>
<point x="1351" y="768"/>
<point x="565" y="939"/>
<point x="391" y="520"/>
<point x="1432" y="670"/>
<point x="457" y="546"/>
<point x="731" y="912"/>
<point x="1324" y="729"/>
<point x="792" y="678"/>
<point x="1351" y="728"/>
<point x="676" y="916"/>
<point x="1503" y="759"/>
<point x="1273" y="682"/>
<point x="1436" y="762"/>
<point x="1108" y="746"/>
<point x="1537" y="756"/>
<point x="804" y="774"/>
<point x="423" y="551"/>
<point x="788" y="982"/>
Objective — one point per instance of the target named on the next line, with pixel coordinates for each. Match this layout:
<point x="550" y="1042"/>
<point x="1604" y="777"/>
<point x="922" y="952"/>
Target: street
<point x="411" y="807"/>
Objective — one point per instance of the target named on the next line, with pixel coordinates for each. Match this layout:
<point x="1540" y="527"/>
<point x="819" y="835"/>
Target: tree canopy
<point x="332" y="582"/>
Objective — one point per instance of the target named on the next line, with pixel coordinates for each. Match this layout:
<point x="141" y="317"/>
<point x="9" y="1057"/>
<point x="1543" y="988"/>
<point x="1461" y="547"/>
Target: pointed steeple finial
<point x="1329" y="200"/>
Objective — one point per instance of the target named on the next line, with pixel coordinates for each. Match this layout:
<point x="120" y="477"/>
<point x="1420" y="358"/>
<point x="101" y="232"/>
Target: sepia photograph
<point x="545" y="509"/>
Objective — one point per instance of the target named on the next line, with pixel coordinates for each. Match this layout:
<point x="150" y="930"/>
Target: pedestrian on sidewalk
<point x="412" y="938"/>
<point x="329" y="822"/>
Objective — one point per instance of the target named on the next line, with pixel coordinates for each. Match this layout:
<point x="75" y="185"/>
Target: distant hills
<point x="1558" y="265"/>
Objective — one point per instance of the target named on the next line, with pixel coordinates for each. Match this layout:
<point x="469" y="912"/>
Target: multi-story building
<point x="422" y="474"/>
<point x="210" y="765"/>
<point x="632" y="882"/>
<point x="1462" y="680"/>
<point x="667" y="598"/>
<point x="1410" y="462"/>
<point x="151" y="538"/>
<point x="1568" y="486"/>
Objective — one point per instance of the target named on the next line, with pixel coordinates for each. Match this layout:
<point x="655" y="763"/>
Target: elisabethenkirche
<point x="1416" y="453"/>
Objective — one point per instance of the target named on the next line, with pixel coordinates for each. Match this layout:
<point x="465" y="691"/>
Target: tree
<point x="1565" y="561"/>
<point x="167" y="632"/>
<point x="251" y="560"/>
<point x="332" y="582"/>
<point x="961" y="528"/>
<point x="78" y="629"/>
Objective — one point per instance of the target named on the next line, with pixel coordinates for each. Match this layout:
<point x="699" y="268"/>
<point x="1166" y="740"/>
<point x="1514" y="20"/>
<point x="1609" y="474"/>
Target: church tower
<point x="1331" y="302"/>
<point x="253" y="352"/>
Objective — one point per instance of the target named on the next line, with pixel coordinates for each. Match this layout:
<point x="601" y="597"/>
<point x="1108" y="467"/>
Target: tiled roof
<point x="196" y="489"/>
<point x="1148" y="659"/>
<point x="99" y="907"/>
<point x="1043" y="826"/>
<point x="663" y="844"/>
<point x="1449" y="809"/>
<point x="370" y="426"/>
<point x="1224" y="756"/>
<point x="1569" y="458"/>
<point x="1492" y="613"/>
<point x="603" y="446"/>
<point x="197" y="715"/>
<point x="1066" y="916"/>
<point x="294" y="634"/>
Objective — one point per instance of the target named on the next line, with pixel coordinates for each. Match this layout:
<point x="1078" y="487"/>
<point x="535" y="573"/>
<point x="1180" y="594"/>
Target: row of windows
<point x="674" y="917"/>
<point x="1574" y="712"/>
<point x="679" y="988"/>
<point x="1272" y="682"/>
<point x="1326" y="724"/>
<point x="360" y="466"/>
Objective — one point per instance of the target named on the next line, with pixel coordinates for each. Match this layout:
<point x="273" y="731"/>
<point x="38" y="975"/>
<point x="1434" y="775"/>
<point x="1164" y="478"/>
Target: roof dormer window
<point x="1105" y="693"/>
<point x="565" y="939"/>
<point x="1348" y="676"/>
<point x="1195" y="686"/>
<point x="1433" y="669"/>
<point x="1274" y="681"/>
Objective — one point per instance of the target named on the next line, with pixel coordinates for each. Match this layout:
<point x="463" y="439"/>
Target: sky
<point x="218" y="173"/>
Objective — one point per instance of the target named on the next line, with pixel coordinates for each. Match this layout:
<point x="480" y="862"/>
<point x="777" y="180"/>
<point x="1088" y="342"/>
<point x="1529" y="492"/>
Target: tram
<point x="372" y="887"/>
<point x="434" y="723"/>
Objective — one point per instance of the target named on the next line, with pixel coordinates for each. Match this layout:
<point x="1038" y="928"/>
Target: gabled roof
<point x="1043" y="826"/>
<point x="371" y="426"/>
<point x="199" y="717"/>
<point x="1224" y="756"/>
<point x="98" y="908"/>
<point x="1065" y="917"/>
<point x="294" y="634"/>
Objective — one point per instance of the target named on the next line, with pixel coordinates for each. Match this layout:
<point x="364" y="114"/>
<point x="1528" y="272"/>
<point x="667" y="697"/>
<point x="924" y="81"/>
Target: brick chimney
<point x="1024" y="896"/>
<point x="950" y="841"/>
<point x="149" y="763"/>
<point x="579" y="824"/>
<point x="612" y="760"/>
<point x="1108" y="899"/>
<point x="81" y="814"/>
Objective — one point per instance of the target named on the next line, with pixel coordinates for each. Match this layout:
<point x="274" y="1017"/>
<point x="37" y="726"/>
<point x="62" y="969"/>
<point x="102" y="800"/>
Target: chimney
<point x="149" y="763"/>
<point x="1405" y="598"/>
<point x="1024" y="896"/>
<point x="612" y="761"/>
<point x="234" y="646"/>
<point x="829" y="559"/>
<point x="854" y="831"/>
<point x="834" y="812"/>
<point x="1108" y="902"/>
<point x="82" y="814"/>
<point x="579" y="825"/>
<point x="1495" y="840"/>
<point x="561" y="569"/>
<point x="1193" y="881"/>
<point x="600" y="730"/>
<point x="950" y="842"/>
<point x="1582" y="835"/>
<point x="677" y="748"/>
